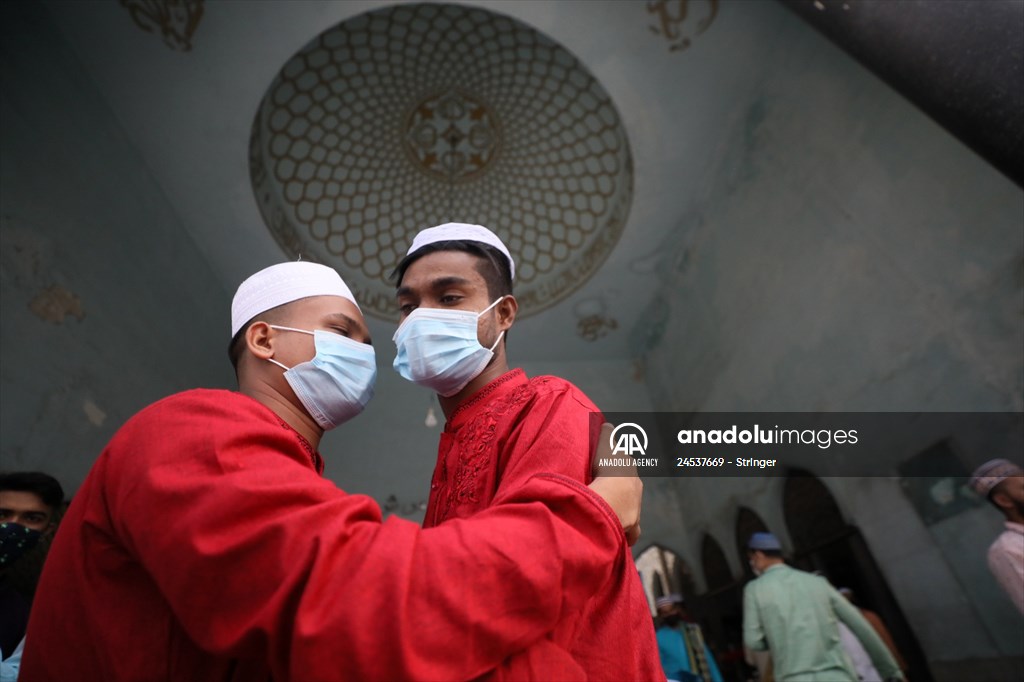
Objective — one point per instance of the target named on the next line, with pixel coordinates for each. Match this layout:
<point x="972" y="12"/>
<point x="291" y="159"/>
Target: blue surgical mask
<point x="338" y="382"/>
<point x="438" y="348"/>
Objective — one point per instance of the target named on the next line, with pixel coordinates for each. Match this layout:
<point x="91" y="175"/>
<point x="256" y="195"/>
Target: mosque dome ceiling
<point x="333" y="131"/>
<point x="413" y="115"/>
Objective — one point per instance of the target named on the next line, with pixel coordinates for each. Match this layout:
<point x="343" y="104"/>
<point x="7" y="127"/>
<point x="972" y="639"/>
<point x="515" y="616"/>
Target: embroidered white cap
<point x="461" y="232"/>
<point x="284" y="283"/>
<point x="992" y="473"/>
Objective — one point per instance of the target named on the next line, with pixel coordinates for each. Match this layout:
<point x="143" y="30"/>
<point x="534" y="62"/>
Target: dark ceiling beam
<point x="960" y="62"/>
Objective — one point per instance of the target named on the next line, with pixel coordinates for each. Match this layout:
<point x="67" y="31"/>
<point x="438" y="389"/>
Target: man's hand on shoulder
<point x="619" y="486"/>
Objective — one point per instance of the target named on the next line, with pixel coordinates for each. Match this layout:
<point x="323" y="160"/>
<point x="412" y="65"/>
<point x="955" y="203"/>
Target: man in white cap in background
<point x="685" y="655"/>
<point x="454" y="292"/>
<point x="205" y="545"/>
<point x="795" y="615"/>
<point x="1001" y="482"/>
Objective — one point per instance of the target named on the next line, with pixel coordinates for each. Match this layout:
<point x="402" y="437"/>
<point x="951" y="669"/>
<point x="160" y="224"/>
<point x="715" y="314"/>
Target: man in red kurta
<point x="204" y="544"/>
<point x="455" y="296"/>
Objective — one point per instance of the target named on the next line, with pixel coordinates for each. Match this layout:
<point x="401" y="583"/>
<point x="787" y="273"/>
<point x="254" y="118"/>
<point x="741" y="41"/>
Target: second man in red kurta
<point x="455" y="296"/>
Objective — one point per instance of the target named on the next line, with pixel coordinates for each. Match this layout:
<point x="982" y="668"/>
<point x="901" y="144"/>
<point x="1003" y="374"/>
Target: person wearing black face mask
<point x="29" y="502"/>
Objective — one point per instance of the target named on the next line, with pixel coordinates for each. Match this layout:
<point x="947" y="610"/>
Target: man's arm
<point x="263" y="558"/>
<point x="873" y="644"/>
<point x="619" y="485"/>
<point x="873" y="619"/>
<point x="753" y="631"/>
<point x="555" y="433"/>
<point x="559" y="433"/>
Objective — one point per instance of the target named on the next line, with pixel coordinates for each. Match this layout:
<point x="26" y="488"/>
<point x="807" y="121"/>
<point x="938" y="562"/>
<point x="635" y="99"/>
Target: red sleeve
<point x="555" y="434"/>
<point x="257" y="555"/>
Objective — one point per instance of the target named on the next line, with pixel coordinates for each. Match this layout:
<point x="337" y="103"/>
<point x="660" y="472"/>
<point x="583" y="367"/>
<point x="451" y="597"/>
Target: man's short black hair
<point x="492" y="264"/>
<point x="44" y="486"/>
<point x="235" y="347"/>
<point x="272" y="316"/>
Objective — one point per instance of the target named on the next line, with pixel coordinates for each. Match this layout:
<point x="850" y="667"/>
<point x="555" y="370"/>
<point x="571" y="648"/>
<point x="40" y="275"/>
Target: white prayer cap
<point x="461" y="232"/>
<point x="284" y="283"/>
<point x="992" y="473"/>
<point x="668" y="600"/>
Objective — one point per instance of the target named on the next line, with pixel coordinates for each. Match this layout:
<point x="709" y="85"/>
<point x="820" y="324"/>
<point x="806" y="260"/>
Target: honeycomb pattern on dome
<point x="415" y="115"/>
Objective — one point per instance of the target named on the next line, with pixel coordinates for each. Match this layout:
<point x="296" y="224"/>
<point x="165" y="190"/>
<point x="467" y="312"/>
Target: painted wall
<point x="105" y="303"/>
<point x="848" y="255"/>
<point x="137" y="311"/>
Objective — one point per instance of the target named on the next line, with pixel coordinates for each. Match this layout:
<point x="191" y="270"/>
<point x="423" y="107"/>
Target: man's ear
<point x="259" y="341"/>
<point x="507" y="310"/>
<point x="1001" y="499"/>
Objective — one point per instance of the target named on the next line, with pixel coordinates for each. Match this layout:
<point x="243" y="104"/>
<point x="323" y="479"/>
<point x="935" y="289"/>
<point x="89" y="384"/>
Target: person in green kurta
<point x="795" y="615"/>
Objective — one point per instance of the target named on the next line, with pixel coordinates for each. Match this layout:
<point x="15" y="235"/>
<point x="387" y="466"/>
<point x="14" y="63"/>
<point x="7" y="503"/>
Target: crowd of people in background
<point x="797" y="626"/>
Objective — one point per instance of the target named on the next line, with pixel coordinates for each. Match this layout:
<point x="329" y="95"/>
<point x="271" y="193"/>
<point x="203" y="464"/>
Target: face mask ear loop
<point x="278" y="364"/>
<point x="498" y="340"/>
<point x="287" y="329"/>
<point x="496" y="302"/>
<point x="291" y="329"/>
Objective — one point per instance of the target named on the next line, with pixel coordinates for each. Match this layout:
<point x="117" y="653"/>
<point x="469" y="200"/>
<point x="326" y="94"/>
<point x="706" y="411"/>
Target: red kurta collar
<point x="504" y="384"/>
<point x="314" y="456"/>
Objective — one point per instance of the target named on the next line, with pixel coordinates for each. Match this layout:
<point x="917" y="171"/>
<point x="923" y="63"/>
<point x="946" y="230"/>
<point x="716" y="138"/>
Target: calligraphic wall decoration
<point x="593" y="321"/>
<point x="418" y="114"/>
<point x="174" y="20"/>
<point x="675" y="23"/>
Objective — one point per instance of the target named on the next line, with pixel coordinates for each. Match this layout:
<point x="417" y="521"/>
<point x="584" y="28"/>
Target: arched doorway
<point x="662" y="572"/>
<point x="823" y="541"/>
<point x="717" y="573"/>
<point x="721" y="610"/>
